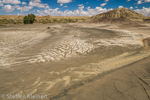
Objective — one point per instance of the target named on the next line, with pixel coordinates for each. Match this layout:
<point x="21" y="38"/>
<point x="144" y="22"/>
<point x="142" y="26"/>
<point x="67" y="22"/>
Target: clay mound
<point x="112" y="20"/>
<point x="119" y="15"/>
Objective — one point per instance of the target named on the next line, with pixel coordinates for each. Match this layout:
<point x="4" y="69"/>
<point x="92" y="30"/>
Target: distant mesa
<point x="43" y="17"/>
<point x="14" y="17"/>
<point x="119" y="15"/>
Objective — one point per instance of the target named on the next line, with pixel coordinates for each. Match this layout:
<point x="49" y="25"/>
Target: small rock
<point x="48" y="28"/>
<point x="146" y="43"/>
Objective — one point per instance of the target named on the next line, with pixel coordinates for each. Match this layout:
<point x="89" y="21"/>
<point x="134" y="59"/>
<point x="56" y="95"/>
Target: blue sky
<point x="70" y="7"/>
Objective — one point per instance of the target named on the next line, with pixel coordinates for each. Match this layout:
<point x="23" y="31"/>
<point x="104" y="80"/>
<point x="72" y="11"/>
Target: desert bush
<point x="61" y="20"/>
<point x="26" y="20"/>
<point x="49" y="21"/>
<point x="82" y="19"/>
<point x="55" y="20"/>
<point x="32" y="18"/>
<point x="3" y="20"/>
<point x="35" y="20"/>
<point x="69" y="20"/>
<point x="44" y="21"/>
<point x="29" y="19"/>
<point x="17" y="22"/>
<point x="65" y="19"/>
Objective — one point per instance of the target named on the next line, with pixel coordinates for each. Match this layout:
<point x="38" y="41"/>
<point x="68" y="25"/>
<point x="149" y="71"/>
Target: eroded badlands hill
<point x="119" y="15"/>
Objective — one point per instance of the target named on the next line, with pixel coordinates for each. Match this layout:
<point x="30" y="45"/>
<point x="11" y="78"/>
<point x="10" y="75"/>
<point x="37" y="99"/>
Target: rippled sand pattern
<point x="67" y="47"/>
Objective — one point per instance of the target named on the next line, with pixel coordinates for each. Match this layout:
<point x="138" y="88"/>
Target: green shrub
<point x="29" y="19"/>
<point x="69" y="20"/>
<point x="55" y="20"/>
<point x="83" y="19"/>
<point x="61" y="20"/>
<point x="35" y="20"/>
<point x="44" y="22"/>
<point x="26" y="20"/>
<point x="49" y="21"/>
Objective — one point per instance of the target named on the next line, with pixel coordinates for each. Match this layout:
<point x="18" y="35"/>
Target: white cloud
<point x="1" y="3"/>
<point x="24" y="3"/>
<point x="103" y="4"/>
<point x="131" y="7"/>
<point x="88" y="8"/>
<point x="128" y="0"/>
<point x="8" y="8"/>
<point x="80" y="5"/>
<point x="12" y="1"/>
<point x="61" y="4"/>
<point x="136" y="7"/>
<point x="25" y="8"/>
<point x="65" y="6"/>
<point x="120" y="7"/>
<point x="139" y="2"/>
<point x="47" y="6"/>
<point x="36" y="1"/>
<point x="37" y="4"/>
<point x="106" y="0"/>
<point x="34" y="10"/>
<point x="77" y="12"/>
<point x="64" y="1"/>
<point x="146" y="0"/>
<point x="144" y="11"/>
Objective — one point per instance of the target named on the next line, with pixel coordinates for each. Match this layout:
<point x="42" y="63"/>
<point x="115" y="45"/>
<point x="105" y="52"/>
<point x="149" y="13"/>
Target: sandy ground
<point x="129" y="83"/>
<point x="74" y="61"/>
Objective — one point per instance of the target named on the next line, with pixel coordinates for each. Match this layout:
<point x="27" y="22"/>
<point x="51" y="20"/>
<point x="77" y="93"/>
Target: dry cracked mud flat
<point x="74" y="62"/>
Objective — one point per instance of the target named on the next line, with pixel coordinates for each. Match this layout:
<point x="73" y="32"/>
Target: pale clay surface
<point x="68" y="46"/>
